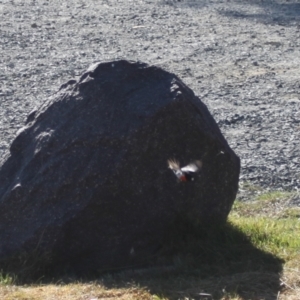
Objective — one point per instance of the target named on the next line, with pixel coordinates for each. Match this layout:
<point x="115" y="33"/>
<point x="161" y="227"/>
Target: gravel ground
<point x="242" y="58"/>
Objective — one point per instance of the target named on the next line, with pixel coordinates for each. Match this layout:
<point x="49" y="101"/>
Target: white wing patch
<point x="193" y="167"/>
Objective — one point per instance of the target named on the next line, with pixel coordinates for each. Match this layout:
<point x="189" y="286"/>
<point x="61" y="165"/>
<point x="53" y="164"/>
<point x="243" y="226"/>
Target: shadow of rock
<point x="207" y="264"/>
<point x="197" y="263"/>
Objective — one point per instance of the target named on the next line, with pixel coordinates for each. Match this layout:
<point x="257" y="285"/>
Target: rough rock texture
<point x="87" y="180"/>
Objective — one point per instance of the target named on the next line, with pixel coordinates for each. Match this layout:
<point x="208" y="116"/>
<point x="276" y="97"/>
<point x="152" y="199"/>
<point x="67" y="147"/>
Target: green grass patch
<point x="274" y="196"/>
<point x="255" y="255"/>
<point x="270" y="222"/>
<point x="277" y="236"/>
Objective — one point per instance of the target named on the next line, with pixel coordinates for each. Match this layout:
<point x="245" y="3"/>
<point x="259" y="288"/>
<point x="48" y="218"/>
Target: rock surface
<point x="241" y="57"/>
<point x="87" y="180"/>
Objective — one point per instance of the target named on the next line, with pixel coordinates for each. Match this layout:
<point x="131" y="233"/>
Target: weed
<point x="6" y="279"/>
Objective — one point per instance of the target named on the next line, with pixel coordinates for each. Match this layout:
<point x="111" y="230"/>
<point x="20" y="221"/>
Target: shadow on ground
<point x="273" y="12"/>
<point x="198" y="263"/>
<point x="215" y="261"/>
<point x="276" y="12"/>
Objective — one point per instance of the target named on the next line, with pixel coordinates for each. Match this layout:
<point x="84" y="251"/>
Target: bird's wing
<point x="173" y="164"/>
<point x="193" y="167"/>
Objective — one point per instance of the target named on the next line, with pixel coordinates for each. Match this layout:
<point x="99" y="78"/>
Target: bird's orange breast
<point x="183" y="178"/>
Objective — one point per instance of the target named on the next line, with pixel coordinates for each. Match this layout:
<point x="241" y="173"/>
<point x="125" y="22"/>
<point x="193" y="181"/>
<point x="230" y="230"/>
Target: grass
<point x="5" y="279"/>
<point x="256" y="255"/>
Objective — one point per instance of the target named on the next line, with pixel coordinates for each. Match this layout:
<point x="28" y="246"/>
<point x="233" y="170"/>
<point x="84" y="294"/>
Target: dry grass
<point x="255" y="256"/>
<point x="71" y="291"/>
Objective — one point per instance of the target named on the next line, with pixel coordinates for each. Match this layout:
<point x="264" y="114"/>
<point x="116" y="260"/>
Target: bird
<point x="186" y="173"/>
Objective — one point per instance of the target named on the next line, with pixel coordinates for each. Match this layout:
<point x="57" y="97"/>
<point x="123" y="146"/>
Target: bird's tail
<point x="173" y="164"/>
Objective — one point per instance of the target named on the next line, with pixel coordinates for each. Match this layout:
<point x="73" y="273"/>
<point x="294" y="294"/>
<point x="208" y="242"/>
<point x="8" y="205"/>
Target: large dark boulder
<point x="87" y="183"/>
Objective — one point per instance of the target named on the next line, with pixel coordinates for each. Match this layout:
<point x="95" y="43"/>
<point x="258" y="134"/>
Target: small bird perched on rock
<point x="186" y="173"/>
